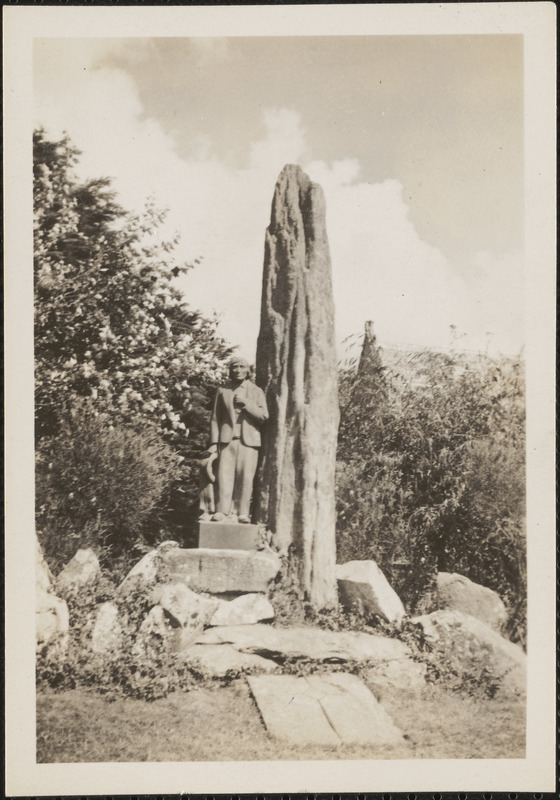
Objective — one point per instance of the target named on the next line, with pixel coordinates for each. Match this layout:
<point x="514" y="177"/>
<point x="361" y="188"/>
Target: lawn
<point x="223" y="724"/>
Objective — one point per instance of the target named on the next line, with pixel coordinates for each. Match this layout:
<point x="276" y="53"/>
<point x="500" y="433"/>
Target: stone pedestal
<point x="227" y="536"/>
<point x="220" y="571"/>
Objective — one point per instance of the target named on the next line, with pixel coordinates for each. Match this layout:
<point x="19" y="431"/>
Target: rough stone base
<point x="227" y="536"/>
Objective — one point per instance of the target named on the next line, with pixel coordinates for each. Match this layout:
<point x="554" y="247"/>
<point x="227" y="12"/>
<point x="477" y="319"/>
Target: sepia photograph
<point x="281" y="302"/>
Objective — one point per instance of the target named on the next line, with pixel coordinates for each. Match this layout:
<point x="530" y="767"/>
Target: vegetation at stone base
<point x="225" y="725"/>
<point x="451" y="668"/>
<point x="112" y="327"/>
<point x="142" y="666"/>
<point x="431" y="475"/>
<point x="292" y="608"/>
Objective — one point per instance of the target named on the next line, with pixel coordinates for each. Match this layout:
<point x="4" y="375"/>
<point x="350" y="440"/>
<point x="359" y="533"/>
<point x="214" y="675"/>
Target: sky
<point x="417" y="142"/>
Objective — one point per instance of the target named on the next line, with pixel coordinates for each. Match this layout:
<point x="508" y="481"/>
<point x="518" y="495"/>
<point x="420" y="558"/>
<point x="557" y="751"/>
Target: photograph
<point x="280" y="398"/>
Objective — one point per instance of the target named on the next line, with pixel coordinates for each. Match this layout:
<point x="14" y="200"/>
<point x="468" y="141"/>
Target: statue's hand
<point x="209" y="467"/>
<point x="240" y="402"/>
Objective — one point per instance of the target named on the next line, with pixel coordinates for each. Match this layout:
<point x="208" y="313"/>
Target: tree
<point x="111" y="326"/>
<point x="110" y="323"/>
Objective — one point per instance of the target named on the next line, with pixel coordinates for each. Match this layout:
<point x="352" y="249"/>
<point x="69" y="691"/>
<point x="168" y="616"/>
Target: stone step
<point x="327" y="710"/>
<point x="228" y="536"/>
<point x="218" y="571"/>
<point x="306" y="643"/>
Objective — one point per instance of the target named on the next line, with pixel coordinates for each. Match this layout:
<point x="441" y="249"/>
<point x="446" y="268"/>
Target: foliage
<point x="141" y="667"/>
<point x="452" y="668"/>
<point x="98" y="485"/>
<point x="110" y="322"/>
<point x="431" y="474"/>
<point x="292" y="609"/>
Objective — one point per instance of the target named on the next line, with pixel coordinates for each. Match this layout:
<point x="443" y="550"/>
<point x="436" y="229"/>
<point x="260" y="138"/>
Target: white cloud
<point x="382" y="270"/>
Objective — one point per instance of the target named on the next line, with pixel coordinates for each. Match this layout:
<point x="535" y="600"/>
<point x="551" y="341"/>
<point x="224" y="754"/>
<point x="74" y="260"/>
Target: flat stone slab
<point x="307" y="643"/>
<point x="322" y="709"/>
<point x="218" y="659"/>
<point x="227" y="536"/>
<point x="217" y="571"/>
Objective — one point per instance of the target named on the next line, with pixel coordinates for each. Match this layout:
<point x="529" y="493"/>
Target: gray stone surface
<point x="459" y="639"/>
<point x="184" y="607"/>
<point x="228" y="536"/>
<point x="217" y="571"/>
<point x="322" y="709"/>
<point x="458" y="593"/>
<point x="142" y="575"/>
<point x="289" y="712"/>
<point x="306" y="643"/>
<point x="82" y="569"/>
<point x="51" y="612"/>
<point x="106" y="636"/>
<point x="353" y="711"/>
<point x="247" y="609"/>
<point x="363" y="586"/>
<point x="218" y="659"/>
<point x="297" y="368"/>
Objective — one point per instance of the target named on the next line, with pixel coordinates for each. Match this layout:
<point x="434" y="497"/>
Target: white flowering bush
<point x="111" y="325"/>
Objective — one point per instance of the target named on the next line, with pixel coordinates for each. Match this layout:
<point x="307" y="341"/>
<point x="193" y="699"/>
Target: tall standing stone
<point x="297" y="368"/>
<point x="370" y="360"/>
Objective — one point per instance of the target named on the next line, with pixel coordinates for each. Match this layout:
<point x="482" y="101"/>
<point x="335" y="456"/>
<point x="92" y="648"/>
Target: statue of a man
<point x="239" y="410"/>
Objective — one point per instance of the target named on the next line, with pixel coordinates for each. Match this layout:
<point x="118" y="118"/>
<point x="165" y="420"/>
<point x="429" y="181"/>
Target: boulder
<point x="184" y="608"/>
<point x="297" y="369"/>
<point x="107" y="631"/>
<point x="82" y="569"/>
<point x="362" y="586"/>
<point x="51" y="613"/>
<point x="169" y="544"/>
<point x="458" y="593"/>
<point x="142" y="575"/>
<point x="153" y="634"/>
<point x="306" y="643"/>
<point x="216" y="660"/>
<point x="217" y="571"/>
<point x="247" y="609"/>
<point x="154" y="624"/>
<point x="462" y="641"/>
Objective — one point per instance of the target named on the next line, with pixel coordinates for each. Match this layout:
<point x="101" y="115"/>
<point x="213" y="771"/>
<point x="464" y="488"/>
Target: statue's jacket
<point x="250" y="418"/>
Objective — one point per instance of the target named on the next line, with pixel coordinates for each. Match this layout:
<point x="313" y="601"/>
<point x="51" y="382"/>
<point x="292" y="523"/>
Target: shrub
<point x="431" y="475"/>
<point x="100" y="486"/>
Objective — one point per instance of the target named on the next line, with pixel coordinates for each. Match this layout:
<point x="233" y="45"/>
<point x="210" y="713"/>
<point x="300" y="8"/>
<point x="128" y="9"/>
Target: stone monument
<point x="228" y="471"/>
<point x="297" y="368"/>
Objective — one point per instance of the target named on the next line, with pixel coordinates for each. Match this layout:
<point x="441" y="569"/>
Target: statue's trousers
<point x="237" y="466"/>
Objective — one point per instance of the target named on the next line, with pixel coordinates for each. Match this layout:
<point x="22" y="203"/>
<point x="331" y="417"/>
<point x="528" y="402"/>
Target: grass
<point x="223" y="724"/>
